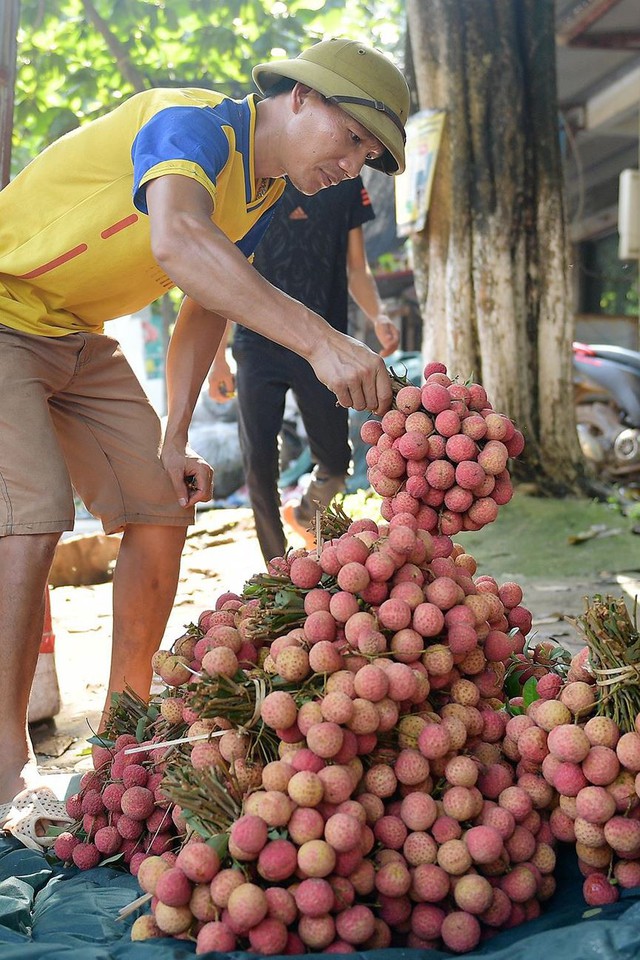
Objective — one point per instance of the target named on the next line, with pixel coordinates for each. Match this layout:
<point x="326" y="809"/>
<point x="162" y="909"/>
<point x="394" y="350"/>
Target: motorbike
<point x="607" y="396"/>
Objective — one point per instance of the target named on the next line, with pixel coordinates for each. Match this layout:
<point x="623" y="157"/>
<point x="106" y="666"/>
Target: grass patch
<point x="532" y="537"/>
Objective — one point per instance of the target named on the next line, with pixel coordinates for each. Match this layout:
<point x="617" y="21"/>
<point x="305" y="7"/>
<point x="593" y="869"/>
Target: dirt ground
<point x="560" y="552"/>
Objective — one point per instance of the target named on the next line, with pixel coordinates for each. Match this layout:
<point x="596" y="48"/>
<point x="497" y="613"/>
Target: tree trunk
<point x="491" y="264"/>
<point x="9" y="20"/>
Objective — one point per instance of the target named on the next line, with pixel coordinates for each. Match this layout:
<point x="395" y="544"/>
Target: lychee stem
<point x="614" y="653"/>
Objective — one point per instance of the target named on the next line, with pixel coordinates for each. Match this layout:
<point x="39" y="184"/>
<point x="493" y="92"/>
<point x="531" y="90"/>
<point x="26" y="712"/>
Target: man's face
<point x="325" y="145"/>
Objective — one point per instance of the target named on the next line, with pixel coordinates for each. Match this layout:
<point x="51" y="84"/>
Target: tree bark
<point x="9" y="20"/>
<point x="491" y="265"/>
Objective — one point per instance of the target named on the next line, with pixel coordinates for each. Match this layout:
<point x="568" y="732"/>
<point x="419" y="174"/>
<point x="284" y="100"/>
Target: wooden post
<point x="9" y="20"/>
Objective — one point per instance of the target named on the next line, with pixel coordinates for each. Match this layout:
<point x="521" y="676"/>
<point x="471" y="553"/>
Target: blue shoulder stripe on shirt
<point x="195" y="134"/>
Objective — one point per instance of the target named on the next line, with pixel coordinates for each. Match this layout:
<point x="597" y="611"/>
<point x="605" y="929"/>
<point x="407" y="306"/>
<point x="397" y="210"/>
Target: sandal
<point x="29" y="808"/>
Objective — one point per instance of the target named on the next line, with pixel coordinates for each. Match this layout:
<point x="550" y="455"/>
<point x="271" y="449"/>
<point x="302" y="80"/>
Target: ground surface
<point x="559" y="551"/>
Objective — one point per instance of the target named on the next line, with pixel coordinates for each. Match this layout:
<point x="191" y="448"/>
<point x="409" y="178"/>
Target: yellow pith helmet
<point x="360" y="80"/>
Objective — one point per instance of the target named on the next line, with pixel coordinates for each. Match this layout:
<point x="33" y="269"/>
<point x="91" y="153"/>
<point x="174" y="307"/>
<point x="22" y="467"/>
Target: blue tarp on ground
<point x="64" y="914"/>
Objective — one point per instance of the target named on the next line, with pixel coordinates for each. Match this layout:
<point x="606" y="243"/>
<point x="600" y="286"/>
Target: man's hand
<point x="387" y="333"/>
<point x="356" y="374"/>
<point x="191" y="476"/>
<point x="222" y="383"/>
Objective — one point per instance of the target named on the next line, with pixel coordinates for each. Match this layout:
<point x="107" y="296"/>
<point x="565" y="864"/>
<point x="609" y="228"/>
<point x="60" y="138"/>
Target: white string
<point x="261" y="692"/>
<point x="171" y="743"/>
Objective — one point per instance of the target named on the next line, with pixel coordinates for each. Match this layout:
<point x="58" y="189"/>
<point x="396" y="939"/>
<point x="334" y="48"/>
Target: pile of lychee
<point x="119" y="810"/>
<point x="441" y="454"/>
<point x="587" y="772"/>
<point x="387" y="791"/>
<point x="388" y="814"/>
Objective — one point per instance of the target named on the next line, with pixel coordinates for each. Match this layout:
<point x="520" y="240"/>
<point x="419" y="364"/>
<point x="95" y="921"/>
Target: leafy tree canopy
<point x="78" y="58"/>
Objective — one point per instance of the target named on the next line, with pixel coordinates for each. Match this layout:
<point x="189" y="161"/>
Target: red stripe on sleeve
<point x="120" y="225"/>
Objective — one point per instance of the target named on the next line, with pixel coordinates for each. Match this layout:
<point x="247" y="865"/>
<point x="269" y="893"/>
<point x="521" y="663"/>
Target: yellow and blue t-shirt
<point x="75" y="245"/>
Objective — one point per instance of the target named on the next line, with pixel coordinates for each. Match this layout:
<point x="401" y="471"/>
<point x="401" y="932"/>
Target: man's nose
<point x="350" y="166"/>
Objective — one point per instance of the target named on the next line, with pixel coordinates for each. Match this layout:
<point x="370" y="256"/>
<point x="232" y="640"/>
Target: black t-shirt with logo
<point x="304" y="251"/>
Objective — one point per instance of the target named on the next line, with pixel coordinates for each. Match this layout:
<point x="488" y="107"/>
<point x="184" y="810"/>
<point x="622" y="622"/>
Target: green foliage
<point x="528" y="693"/>
<point x="364" y="503"/>
<point x="393" y="262"/>
<point x="78" y="58"/>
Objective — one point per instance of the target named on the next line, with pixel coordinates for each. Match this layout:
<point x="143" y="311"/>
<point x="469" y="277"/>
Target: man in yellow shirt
<point x="173" y="188"/>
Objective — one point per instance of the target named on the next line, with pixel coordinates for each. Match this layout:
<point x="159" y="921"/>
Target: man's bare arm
<point x="203" y="262"/>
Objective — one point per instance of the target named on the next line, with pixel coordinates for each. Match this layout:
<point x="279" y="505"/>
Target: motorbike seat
<point x="630" y="358"/>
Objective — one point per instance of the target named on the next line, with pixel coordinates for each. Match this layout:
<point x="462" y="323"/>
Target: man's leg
<point x="261" y="395"/>
<point x="24" y="569"/>
<point x="144" y="588"/>
<point x="327" y="429"/>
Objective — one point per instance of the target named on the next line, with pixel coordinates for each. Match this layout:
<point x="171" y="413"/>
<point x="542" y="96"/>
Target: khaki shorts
<point x="73" y="415"/>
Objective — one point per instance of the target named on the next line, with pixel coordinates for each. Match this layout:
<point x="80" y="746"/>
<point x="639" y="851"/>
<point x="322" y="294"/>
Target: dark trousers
<point x="265" y="371"/>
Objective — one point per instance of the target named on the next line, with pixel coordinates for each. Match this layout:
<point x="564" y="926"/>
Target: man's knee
<point x="39" y="547"/>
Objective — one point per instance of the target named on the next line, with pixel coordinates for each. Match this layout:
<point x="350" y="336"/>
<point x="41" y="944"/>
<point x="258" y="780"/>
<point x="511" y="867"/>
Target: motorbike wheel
<point x="598" y="427"/>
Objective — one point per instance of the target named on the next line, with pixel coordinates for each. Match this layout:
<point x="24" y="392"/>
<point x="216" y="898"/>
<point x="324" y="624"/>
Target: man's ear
<point x="299" y="95"/>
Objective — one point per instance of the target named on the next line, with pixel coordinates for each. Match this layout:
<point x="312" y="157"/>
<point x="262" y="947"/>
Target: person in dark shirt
<point x="314" y="251"/>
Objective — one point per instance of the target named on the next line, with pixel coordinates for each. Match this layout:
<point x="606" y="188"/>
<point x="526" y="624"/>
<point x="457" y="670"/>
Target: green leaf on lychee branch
<point x="559" y="657"/>
<point x="514" y="710"/>
<point x="220" y="843"/>
<point x="512" y="685"/>
<point x="55" y="831"/>
<point x="278" y="833"/>
<point x="289" y="599"/>
<point x="99" y="741"/>
<point x="530" y="691"/>
<point x="116" y="859"/>
<point x="141" y="726"/>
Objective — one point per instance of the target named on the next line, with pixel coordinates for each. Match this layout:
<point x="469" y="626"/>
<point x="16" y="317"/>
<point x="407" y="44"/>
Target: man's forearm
<point x="364" y="291"/>
<point x="220" y="359"/>
<point x="207" y="266"/>
<point x="204" y="264"/>
<point x="227" y="284"/>
<point x="194" y="343"/>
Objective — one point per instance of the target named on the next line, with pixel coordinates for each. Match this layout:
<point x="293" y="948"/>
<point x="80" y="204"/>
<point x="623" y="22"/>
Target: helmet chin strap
<point x="377" y="105"/>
